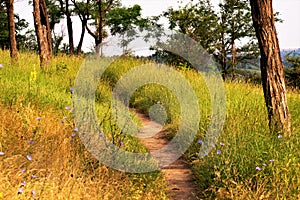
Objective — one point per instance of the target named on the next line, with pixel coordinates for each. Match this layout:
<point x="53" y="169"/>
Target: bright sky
<point x="288" y="31"/>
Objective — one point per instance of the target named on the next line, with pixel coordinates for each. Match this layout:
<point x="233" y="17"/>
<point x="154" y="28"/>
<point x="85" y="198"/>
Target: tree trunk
<point x="83" y="25"/>
<point x="12" y="30"/>
<point x="271" y="66"/>
<point x="233" y="54"/>
<point x="46" y="23"/>
<point x="99" y="37"/>
<point x="70" y="28"/>
<point x="42" y="32"/>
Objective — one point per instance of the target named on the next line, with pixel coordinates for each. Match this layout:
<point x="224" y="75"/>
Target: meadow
<point x="43" y="158"/>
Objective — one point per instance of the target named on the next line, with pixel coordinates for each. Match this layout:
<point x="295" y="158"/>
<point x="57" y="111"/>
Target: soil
<point x="178" y="174"/>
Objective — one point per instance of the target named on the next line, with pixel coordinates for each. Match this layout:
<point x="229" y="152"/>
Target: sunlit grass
<point x="248" y="162"/>
<point x="41" y="154"/>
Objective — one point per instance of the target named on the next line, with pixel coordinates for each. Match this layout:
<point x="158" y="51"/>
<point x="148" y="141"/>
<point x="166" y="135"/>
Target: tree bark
<point x="12" y="30"/>
<point x="79" y="47"/>
<point x="273" y="81"/>
<point x="42" y="28"/>
<point x="70" y="28"/>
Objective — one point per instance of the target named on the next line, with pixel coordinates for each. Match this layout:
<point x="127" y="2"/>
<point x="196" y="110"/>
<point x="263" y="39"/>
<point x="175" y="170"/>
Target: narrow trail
<point x="178" y="174"/>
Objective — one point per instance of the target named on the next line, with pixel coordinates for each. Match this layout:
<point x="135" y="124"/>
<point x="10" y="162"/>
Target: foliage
<point x="218" y="32"/>
<point x="21" y="25"/>
<point x="124" y="21"/>
<point x="292" y="71"/>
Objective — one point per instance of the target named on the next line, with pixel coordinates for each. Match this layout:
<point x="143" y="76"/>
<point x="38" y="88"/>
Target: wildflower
<point x="205" y="155"/>
<point x="272" y="160"/>
<point x="258" y="168"/>
<point x="23" y="170"/>
<point x="222" y="144"/>
<point x="73" y="135"/>
<point x="213" y="146"/>
<point x="23" y="183"/>
<point x="1" y="66"/>
<point x="218" y="152"/>
<point x="33" y="176"/>
<point x="2" y="153"/>
<point x="31" y="142"/>
<point x="67" y="107"/>
<point x="20" y="190"/>
<point x="264" y="164"/>
<point x="38" y="118"/>
<point x="121" y="143"/>
<point x="71" y="89"/>
<point x="33" y="192"/>
<point x="200" y="142"/>
<point x="101" y="135"/>
<point x="279" y="136"/>
<point x="76" y="129"/>
<point x="29" y="157"/>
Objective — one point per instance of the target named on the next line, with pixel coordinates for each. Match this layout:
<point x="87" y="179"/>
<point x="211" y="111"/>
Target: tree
<point x="200" y="22"/>
<point x="95" y="11"/>
<point x="236" y="25"/>
<point x="12" y="30"/>
<point x="125" y="21"/>
<point x="218" y="32"/>
<point x="42" y="28"/>
<point x="65" y="8"/>
<point x="271" y="66"/>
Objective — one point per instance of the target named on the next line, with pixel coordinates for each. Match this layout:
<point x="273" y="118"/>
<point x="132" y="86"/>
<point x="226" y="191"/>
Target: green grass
<point x="232" y="174"/>
<point x="66" y="170"/>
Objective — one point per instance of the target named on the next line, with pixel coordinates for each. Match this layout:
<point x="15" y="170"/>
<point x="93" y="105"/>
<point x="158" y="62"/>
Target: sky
<point x="288" y="31"/>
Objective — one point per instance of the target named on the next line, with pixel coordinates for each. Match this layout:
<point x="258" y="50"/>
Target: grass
<point x="43" y="155"/>
<point x="248" y="162"/>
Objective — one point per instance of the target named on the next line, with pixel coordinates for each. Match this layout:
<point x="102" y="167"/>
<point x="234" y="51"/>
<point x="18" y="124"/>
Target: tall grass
<point x="41" y="154"/>
<point x="248" y="162"/>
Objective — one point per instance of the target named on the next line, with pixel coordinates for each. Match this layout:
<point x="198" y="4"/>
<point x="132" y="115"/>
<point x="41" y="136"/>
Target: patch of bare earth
<point x="178" y="174"/>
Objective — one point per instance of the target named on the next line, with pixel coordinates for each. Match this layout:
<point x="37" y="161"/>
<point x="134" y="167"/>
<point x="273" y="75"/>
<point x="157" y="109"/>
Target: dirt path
<point x="178" y="174"/>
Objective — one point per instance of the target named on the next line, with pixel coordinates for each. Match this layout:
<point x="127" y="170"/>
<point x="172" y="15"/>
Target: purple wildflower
<point x="67" y="107"/>
<point x="279" y="136"/>
<point x="218" y="152"/>
<point x="258" y="168"/>
<point x="101" y="135"/>
<point x="264" y="164"/>
<point x="20" y="190"/>
<point x="2" y="153"/>
<point x="33" y="176"/>
<point x="205" y="155"/>
<point x="222" y="144"/>
<point x="31" y="142"/>
<point x="272" y="160"/>
<point x="23" y="170"/>
<point x="1" y="66"/>
<point x="33" y="192"/>
<point x="121" y="143"/>
<point x="200" y="142"/>
<point x="71" y="89"/>
<point x="38" y="118"/>
<point x="23" y="183"/>
<point x="76" y="129"/>
<point x="29" y="157"/>
<point x="73" y="135"/>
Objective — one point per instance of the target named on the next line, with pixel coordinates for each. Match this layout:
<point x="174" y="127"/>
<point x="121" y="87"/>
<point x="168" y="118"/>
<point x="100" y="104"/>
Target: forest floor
<point x="178" y="175"/>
